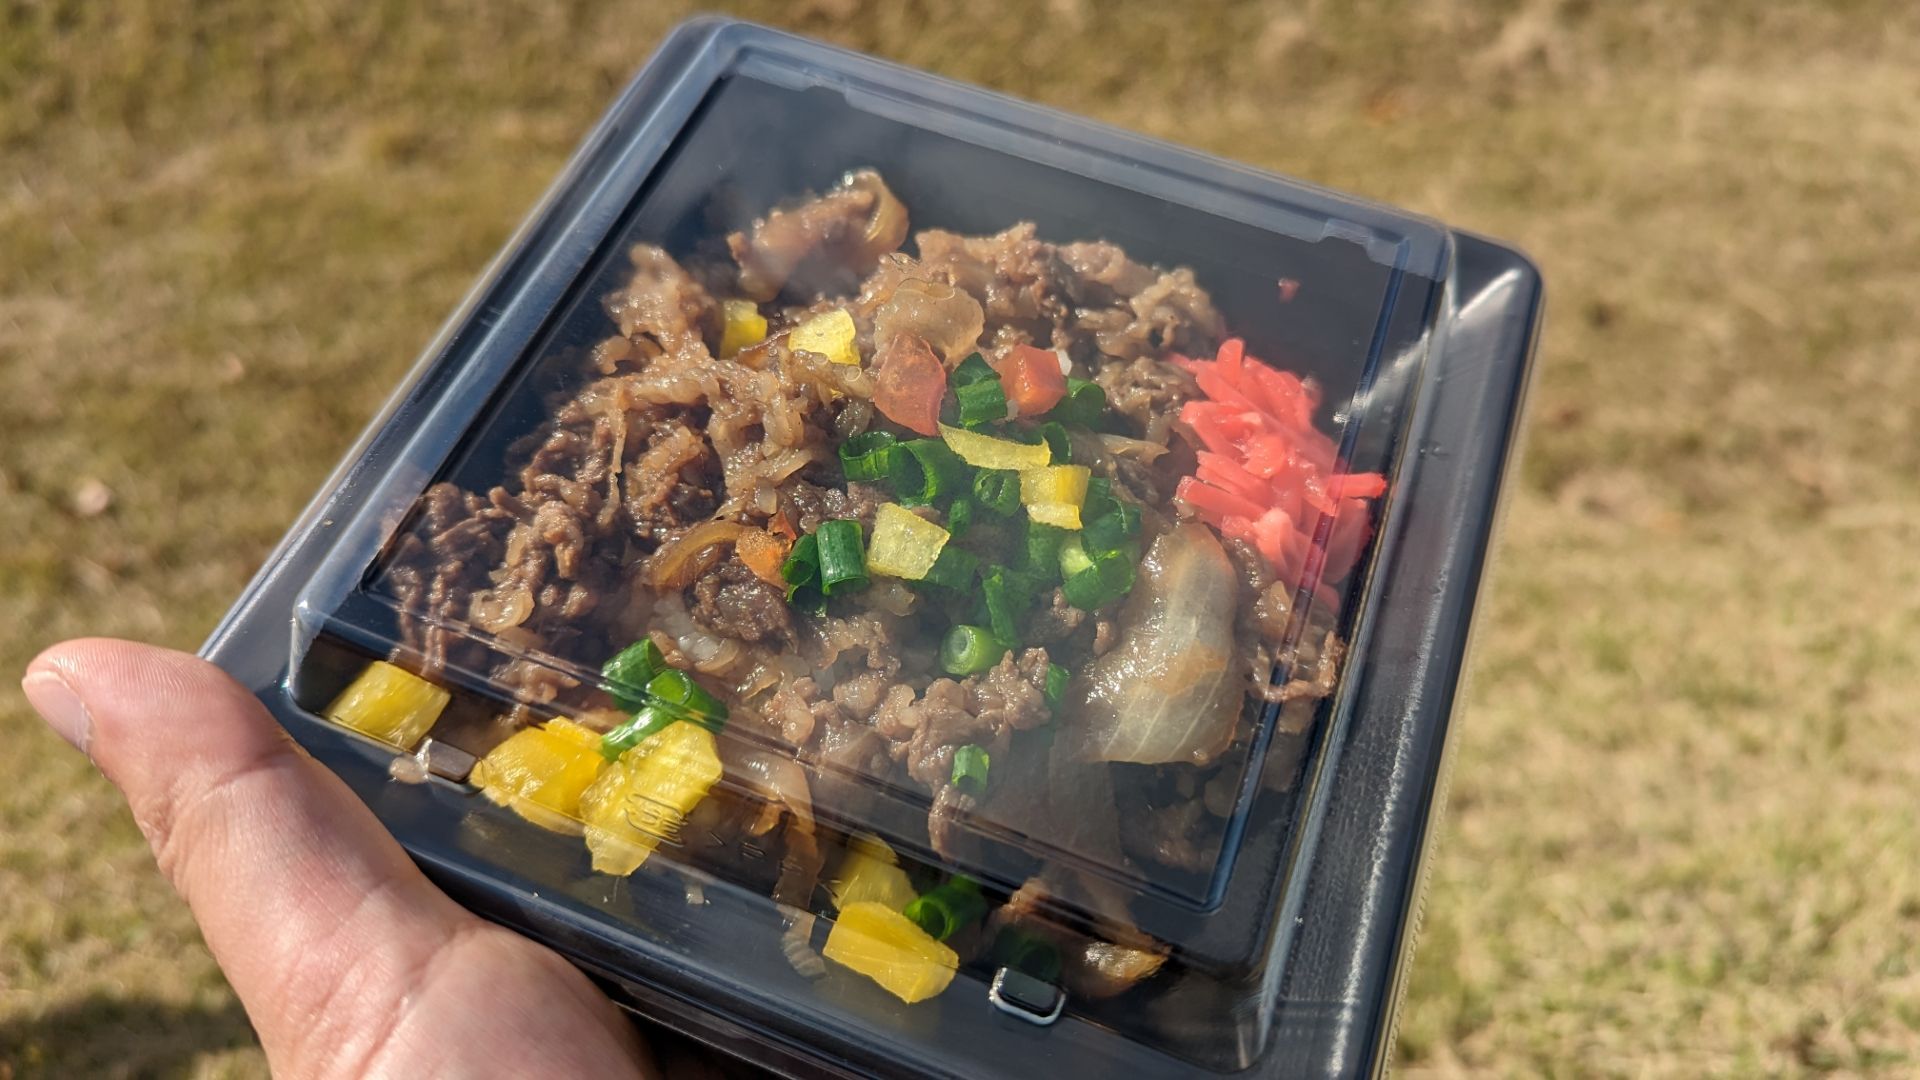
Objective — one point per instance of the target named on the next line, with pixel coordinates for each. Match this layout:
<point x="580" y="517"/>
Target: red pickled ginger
<point x="1267" y="475"/>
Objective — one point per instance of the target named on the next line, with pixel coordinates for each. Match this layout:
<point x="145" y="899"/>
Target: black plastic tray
<point x="1308" y="920"/>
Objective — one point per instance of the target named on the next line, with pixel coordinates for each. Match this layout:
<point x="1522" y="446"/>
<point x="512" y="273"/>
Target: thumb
<point x="327" y="931"/>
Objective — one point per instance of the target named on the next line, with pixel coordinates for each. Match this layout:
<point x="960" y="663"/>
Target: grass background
<point x="1683" y="838"/>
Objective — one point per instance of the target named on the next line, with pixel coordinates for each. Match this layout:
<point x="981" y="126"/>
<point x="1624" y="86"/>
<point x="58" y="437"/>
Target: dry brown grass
<point x="1683" y="836"/>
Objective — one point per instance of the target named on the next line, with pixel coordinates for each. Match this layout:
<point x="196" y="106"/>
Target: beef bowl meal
<point x="896" y="582"/>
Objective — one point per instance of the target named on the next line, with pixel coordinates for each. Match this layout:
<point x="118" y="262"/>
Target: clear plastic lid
<point x="894" y="575"/>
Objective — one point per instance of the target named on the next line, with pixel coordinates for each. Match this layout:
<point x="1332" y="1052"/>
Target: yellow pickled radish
<point x="643" y="799"/>
<point x="830" y="334"/>
<point x="540" y="773"/>
<point x="576" y="733"/>
<point x="1053" y="494"/>
<point x="873" y="847"/>
<point x="743" y="325"/>
<point x="904" y="545"/>
<point x="989" y="452"/>
<point x="390" y="704"/>
<point x="1058" y="515"/>
<point x="885" y="946"/>
<point x="870" y="873"/>
<point x="1062" y="485"/>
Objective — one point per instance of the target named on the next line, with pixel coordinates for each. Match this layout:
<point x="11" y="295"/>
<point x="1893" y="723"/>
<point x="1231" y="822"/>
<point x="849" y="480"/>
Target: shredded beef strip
<point x="822" y="245"/>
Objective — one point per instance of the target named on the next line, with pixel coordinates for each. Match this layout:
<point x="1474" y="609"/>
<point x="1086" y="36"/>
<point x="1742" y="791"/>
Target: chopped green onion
<point x="954" y="568"/>
<point x="945" y="910"/>
<point x="1074" y="558"/>
<point x="802" y="574"/>
<point x="972" y="370"/>
<point x="969" y="650"/>
<point x="669" y="695"/>
<point x="970" y="769"/>
<point x="1054" y="434"/>
<point x="1084" y="404"/>
<point x="677" y="689"/>
<point x="1003" y="603"/>
<point x="1057" y="679"/>
<point x="866" y="457"/>
<point x="629" y="671"/>
<point x="983" y="402"/>
<point x="803" y="563"/>
<point x="843" y="557"/>
<point x="953" y="605"/>
<point x="649" y="719"/>
<point x="959" y="516"/>
<point x="925" y="470"/>
<point x="997" y="490"/>
<point x="1027" y="953"/>
<point x="1108" y="579"/>
<point x="1042" y="555"/>
<point x="1099" y="498"/>
<point x="1114" y="530"/>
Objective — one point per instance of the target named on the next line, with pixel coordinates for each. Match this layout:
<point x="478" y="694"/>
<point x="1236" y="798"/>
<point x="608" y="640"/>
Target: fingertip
<point x="58" y="704"/>
<point x="91" y="666"/>
<point x="76" y="655"/>
<point x="62" y="679"/>
<point x="142" y="704"/>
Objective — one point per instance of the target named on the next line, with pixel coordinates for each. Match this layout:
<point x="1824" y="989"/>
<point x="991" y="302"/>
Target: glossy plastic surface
<point x="1283" y="940"/>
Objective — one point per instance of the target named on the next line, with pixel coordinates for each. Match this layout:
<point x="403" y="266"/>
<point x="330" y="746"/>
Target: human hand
<point x="348" y="961"/>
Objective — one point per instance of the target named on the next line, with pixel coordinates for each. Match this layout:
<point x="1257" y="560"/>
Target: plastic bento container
<point x="1245" y="909"/>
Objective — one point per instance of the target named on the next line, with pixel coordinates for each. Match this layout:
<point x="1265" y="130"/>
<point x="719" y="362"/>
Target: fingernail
<point x="60" y="707"/>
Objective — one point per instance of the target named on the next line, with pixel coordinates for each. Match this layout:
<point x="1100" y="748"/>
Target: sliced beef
<point x="1272" y="610"/>
<point x="823" y="245"/>
<point x="924" y="729"/>
<point x="1056" y="622"/>
<point x="1316" y="671"/>
<point x="661" y="309"/>
<point x="861" y="694"/>
<point x="438" y="566"/>
<point x="674" y="481"/>
<point x="1134" y="311"/>
<point x="797" y="707"/>
<point x="1105" y="633"/>
<point x="731" y="601"/>
<point x="984" y="710"/>
<point x="853" y="748"/>
<point x="1011" y="696"/>
<point x="1102" y="274"/>
<point x="1148" y="391"/>
<point x="950" y="807"/>
<point x="940" y="723"/>
<point x="863" y="641"/>
<point x="809" y="504"/>
<point x="1252" y="567"/>
<point x="1014" y="275"/>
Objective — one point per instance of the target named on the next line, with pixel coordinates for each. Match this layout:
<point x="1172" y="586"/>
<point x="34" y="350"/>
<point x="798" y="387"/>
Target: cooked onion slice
<point x="680" y="561"/>
<point x="1167" y="691"/>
